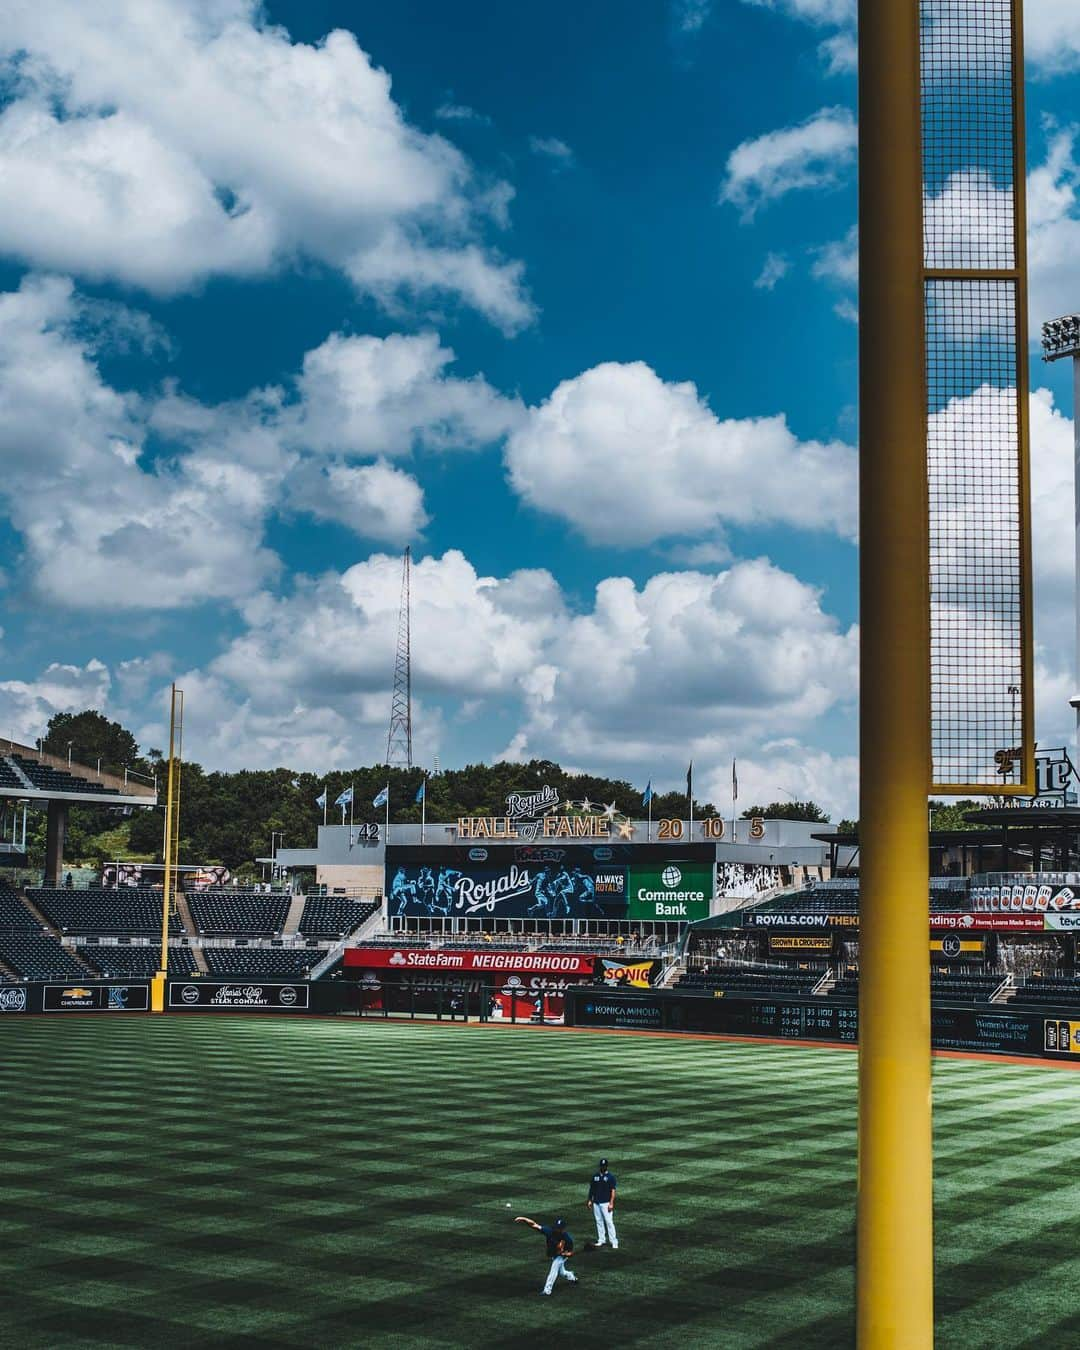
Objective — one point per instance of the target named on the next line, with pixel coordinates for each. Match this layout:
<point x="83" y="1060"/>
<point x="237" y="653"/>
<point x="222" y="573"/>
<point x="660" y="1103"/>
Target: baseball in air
<point x="671" y="876"/>
<point x="508" y="1204"/>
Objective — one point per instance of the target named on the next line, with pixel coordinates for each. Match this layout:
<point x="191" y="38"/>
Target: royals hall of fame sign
<point x="529" y="816"/>
<point x="541" y="815"/>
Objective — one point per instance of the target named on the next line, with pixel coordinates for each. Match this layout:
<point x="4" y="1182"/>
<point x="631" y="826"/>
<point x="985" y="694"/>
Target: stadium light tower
<point x="1061" y="338"/>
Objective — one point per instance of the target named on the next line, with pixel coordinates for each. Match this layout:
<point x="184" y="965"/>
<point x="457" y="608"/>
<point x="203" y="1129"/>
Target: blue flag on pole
<point x="421" y="792"/>
<point x="647" y="794"/>
<point x="383" y="797"/>
<point x="345" y="798"/>
<point x="321" y="800"/>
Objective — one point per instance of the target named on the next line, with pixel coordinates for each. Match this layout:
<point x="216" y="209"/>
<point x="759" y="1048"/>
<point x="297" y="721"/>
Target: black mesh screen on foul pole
<point x="977" y="451"/>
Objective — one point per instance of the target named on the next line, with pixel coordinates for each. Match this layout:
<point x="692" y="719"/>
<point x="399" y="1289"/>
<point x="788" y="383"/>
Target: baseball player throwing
<point x="602" y="1203"/>
<point x="560" y="1247"/>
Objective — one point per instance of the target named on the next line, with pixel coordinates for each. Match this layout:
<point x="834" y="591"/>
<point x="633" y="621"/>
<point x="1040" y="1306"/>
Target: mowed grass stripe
<point x="240" y="1180"/>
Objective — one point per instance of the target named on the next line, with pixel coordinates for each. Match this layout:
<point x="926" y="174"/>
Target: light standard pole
<point x="1061" y="338"/>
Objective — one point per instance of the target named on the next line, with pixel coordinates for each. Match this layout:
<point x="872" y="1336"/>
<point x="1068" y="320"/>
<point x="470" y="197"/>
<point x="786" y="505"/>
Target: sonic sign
<point x="532" y="816"/>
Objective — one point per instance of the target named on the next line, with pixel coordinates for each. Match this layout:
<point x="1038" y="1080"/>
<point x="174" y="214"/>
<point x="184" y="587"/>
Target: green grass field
<point x="232" y="1180"/>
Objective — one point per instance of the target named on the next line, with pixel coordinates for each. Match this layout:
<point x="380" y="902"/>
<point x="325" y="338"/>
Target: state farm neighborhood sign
<point x="453" y="962"/>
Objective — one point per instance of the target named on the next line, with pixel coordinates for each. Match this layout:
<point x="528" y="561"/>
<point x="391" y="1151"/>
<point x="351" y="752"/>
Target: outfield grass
<point x="202" y="1181"/>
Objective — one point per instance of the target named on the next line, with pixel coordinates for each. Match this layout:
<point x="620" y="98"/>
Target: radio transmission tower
<point x="399" y="740"/>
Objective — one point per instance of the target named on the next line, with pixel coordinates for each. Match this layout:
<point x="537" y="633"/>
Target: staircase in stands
<point x="292" y="919"/>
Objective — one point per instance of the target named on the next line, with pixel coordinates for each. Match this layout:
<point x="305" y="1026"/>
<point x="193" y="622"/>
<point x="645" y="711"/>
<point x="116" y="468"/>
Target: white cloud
<point x="99" y="530"/>
<point x="551" y="148"/>
<point x="388" y="396"/>
<point x="710" y="664"/>
<point x="629" y="459"/>
<point x="813" y="11"/>
<point x="461" y="112"/>
<point x="474" y="637"/>
<point x="158" y="142"/>
<point x="775" y="267"/>
<point x="1054" y="230"/>
<point x="1051" y="31"/>
<point x="813" y="154"/>
<point x="839" y="261"/>
<point x="158" y="501"/>
<point x="840" y="53"/>
<point x="691" y="15"/>
<point x="27" y="705"/>
<point x="704" y="662"/>
<point x="970" y="215"/>
<point x="793" y="770"/>
<point x="1052" y="35"/>
<point x="376" y="500"/>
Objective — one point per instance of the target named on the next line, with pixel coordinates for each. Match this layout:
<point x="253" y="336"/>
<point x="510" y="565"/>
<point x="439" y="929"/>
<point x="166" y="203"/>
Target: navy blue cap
<point x="603" y="1162"/>
<point x="560" y="1223"/>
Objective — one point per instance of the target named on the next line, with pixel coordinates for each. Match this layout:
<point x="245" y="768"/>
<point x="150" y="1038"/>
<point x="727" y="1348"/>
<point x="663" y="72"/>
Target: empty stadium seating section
<point x="14" y="915"/>
<point x="233" y="912"/>
<point x="1045" y="992"/>
<point x="124" y="909"/>
<point x="39" y="956"/>
<point x="263" y="962"/>
<point x="130" y="963"/>
<point x="334" y="916"/>
<point x="46" y="778"/>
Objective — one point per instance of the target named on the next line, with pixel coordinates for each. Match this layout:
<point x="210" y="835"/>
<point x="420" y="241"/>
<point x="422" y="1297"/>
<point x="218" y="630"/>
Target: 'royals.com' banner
<point x="550" y="881"/>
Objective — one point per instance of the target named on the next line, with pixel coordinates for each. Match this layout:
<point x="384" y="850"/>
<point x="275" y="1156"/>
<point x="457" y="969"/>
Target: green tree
<point x="91" y="737"/>
<point x="950" y="815"/>
<point x="790" y="810"/>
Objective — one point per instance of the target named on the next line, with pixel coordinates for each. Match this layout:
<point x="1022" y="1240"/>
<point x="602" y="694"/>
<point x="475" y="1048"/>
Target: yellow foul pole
<point x="170" y="849"/>
<point x="894" y="1306"/>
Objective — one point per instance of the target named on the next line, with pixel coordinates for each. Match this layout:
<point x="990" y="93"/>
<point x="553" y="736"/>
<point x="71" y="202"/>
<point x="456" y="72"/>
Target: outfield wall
<point x="983" y="1029"/>
<point x="188" y="995"/>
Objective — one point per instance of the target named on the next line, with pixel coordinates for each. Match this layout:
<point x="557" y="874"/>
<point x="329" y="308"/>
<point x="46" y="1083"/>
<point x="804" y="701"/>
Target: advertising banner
<point x="239" y="994"/>
<point x="76" y="997"/>
<point x="1062" y="923"/>
<point x="153" y="874"/>
<point x="1024" y="897"/>
<point x="813" y="1019"/>
<point x="953" y="947"/>
<point x="1061" y="1037"/>
<point x="637" y="974"/>
<point x="13" y="998"/>
<point x="680" y="891"/>
<point x="642" y="1013"/>
<point x="797" y="942"/>
<point x="989" y="923"/>
<point x="800" y="920"/>
<point x="470" y="962"/>
<point x="552" y="881"/>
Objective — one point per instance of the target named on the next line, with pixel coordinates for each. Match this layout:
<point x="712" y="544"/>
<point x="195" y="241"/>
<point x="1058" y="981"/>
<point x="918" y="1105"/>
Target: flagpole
<point x="423" y="810"/>
<point x="387" y="837"/>
<point x="690" y="795"/>
<point x="325" y="800"/>
<point x="734" y="797"/>
<point x="352" y="798"/>
<point x="650" y="817"/>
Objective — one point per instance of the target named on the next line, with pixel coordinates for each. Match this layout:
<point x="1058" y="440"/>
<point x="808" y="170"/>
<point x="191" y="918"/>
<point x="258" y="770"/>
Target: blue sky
<point x="562" y="296"/>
